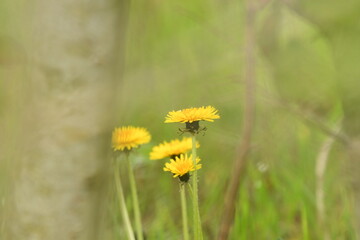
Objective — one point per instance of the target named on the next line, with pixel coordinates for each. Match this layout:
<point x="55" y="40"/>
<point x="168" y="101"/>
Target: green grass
<point x="190" y="53"/>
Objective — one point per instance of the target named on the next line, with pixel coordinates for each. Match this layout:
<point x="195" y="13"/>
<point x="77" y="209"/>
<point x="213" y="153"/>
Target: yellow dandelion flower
<point x="182" y="166"/>
<point x="171" y="149"/>
<point x="126" y="138"/>
<point x="190" y="115"/>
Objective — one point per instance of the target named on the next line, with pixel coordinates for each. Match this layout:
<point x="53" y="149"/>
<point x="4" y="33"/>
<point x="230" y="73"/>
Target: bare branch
<point x="313" y="120"/>
<point x="249" y="115"/>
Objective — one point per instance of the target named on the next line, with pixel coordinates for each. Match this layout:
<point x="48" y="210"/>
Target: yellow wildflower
<point x="171" y="149"/>
<point x="190" y="115"/>
<point x="182" y="166"/>
<point x="126" y="138"/>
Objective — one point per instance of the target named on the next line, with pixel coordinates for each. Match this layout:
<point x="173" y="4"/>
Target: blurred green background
<point x="181" y="54"/>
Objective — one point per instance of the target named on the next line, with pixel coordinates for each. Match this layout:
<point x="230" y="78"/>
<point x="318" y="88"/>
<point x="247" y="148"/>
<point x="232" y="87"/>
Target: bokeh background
<point x="170" y="55"/>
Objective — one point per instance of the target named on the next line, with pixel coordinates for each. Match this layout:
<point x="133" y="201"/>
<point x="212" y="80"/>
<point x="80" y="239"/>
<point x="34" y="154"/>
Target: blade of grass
<point x="137" y="215"/>
<point x="120" y="193"/>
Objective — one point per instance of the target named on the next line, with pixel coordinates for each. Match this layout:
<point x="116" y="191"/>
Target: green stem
<point x="120" y="193"/>
<point x="137" y="215"/>
<point x="196" y="212"/>
<point x="184" y="212"/>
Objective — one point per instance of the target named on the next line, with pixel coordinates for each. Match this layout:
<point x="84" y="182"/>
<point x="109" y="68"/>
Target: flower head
<point x="182" y="166"/>
<point x="126" y="138"/>
<point x="190" y="115"/>
<point x="171" y="149"/>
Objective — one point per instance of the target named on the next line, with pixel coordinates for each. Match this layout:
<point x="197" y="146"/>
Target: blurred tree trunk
<point x="68" y="80"/>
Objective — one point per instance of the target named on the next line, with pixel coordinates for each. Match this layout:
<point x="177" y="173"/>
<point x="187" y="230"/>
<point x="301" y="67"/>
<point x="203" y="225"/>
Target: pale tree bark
<point x="72" y="48"/>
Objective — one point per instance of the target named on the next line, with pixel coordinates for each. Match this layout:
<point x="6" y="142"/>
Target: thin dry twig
<point x="249" y="115"/>
<point x="313" y="120"/>
<point x="320" y="168"/>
